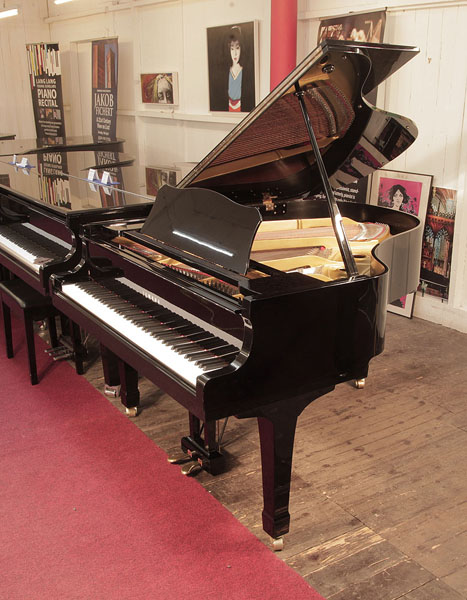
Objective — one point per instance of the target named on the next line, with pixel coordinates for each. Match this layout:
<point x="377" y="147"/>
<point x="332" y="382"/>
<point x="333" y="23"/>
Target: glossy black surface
<point x="201" y="223"/>
<point x="59" y="180"/>
<point x="70" y="143"/>
<point x="269" y="152"/>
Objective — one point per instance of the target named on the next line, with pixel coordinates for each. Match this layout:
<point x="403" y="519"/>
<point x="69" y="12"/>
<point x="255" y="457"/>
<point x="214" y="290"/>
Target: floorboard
<point x="379" y="492"/>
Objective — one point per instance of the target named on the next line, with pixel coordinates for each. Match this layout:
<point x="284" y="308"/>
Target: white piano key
<point x="136" y="333"/>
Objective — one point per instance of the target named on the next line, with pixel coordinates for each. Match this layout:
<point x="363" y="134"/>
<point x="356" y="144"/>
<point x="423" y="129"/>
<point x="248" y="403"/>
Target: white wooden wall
<point x="170" y="35"/>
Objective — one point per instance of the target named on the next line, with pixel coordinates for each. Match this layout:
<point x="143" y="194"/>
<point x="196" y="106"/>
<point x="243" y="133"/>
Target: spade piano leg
<point x="277" y="423"/>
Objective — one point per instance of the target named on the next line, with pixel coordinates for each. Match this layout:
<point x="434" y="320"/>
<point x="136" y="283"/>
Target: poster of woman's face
<point x="399" y="194"/>
<point x="232" y="67"/>
<point x="159" y="88"/>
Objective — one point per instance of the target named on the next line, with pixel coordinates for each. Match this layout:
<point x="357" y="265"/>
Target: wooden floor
<point x="379" y="490"/>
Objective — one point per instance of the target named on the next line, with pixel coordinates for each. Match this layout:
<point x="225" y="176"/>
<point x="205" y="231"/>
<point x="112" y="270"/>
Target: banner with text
<point x="46" y="88"/>
<point x="104" y="89"/>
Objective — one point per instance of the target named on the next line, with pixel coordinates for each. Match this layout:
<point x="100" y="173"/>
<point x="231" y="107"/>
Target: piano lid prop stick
<point x="336" y="218"/>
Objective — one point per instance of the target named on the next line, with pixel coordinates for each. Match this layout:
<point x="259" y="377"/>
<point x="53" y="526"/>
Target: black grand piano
<point x="45" y="197"/>
<point x="248" y="290"/>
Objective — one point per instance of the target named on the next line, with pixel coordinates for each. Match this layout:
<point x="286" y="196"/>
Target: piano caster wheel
<point x="360" y="383"/>
<point x="179" y="459"/>
<point x="112" y="390"/>
<point x="191" y="468"/>
<point x="278" y="544"/>
<point x="131" y="411"/>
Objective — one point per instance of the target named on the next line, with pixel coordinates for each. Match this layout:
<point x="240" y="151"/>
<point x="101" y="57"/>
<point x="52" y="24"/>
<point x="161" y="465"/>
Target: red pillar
<point x="283" y="39"/>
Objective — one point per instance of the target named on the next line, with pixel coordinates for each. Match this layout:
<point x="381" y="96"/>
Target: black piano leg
<point x="276" y="424"/>
<point x="276" y="433"/>
<point x="111" y="375"/>
<point x="203" y="447"/>
<point x="121" y="379"/>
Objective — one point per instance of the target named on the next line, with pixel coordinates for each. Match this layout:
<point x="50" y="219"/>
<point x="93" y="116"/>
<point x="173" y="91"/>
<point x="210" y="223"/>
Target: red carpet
<point x="90" y="509"/>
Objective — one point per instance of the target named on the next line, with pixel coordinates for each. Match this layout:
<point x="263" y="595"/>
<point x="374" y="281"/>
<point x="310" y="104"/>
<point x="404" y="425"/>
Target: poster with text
<point x="104" y="89"/>
<point x="46" y="88"/>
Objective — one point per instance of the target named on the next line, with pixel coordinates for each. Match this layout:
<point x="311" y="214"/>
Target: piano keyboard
<point x="32" y="246"/>
<point x="174" y="337"/>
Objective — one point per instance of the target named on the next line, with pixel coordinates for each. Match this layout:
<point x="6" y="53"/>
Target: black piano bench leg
<point x="202" y="447"/>
<point x="7" y="329"/>
<point x="29" y="331"/>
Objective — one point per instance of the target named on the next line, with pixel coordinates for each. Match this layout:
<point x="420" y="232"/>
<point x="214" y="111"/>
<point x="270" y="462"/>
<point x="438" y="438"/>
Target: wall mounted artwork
<point x="232" y="67"/>
<point x="159" y="88"/>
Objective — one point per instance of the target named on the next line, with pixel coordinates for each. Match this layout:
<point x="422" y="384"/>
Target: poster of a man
<point x="231" y="67"/>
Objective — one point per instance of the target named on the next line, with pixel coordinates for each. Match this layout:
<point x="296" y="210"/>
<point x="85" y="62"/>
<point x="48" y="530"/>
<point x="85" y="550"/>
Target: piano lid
<point x="65" y="144"/>
<point x="269" y="155"/>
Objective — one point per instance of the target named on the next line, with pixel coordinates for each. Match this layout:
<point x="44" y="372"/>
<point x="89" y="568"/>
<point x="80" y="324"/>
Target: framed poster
<point x="232" y="67"/>
<point x="438" y="241"/>
<point x="159" y="88"/>
<point x="156" y="177"/>
<point x="407" y="192"/>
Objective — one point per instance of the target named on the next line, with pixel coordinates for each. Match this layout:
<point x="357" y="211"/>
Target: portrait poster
<point x="104" y="89"/>
<point x="438" y="242"/>
<point x="407" y="192"/>
<point x="232" y="67"/>
<point x="357" y="27"/>
<point x="159" y="88"/>
<point x="46" y="89"/>
<point x="156" y="177"/>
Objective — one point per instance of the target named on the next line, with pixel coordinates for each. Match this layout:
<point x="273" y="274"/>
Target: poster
<point x="54" y="184"/>
<point x="437" y="243"/>
<point x="159" y="88"/>
<point x="104" y="89"/>
<point x="46" y="89"/>
<point x="407" y="192"/>
<point x="232" y="67"/>
<point x="356" y="27"/>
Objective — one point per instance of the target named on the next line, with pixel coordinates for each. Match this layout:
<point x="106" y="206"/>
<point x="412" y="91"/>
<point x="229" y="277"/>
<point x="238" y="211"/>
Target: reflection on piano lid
<point x="64" y="144"/>
<point x="60" y="179"/>
<point x="269" y="154"/>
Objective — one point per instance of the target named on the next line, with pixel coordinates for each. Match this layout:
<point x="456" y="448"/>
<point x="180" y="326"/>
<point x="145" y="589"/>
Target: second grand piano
<point x="248" y="290"/>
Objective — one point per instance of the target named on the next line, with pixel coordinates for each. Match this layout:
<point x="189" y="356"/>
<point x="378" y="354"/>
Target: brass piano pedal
<point x="277" y="544"/>
<point x="191" y="468"/>
<point x="179" y="459"/>
<point x="360" y="383"/>
<point x="112" y="390"/>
